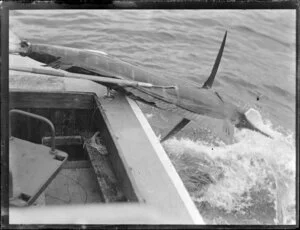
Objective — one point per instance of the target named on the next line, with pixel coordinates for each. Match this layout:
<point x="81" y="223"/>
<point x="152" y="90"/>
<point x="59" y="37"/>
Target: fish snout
<point x="19" y="47"/>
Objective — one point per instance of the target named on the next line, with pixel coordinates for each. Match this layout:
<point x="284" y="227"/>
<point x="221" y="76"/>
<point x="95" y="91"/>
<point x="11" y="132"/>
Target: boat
<point x="79" y="157"/>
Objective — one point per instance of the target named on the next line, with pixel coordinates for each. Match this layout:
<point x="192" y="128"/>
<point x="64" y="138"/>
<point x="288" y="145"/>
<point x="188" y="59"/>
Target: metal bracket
<point x="52" y="151"/>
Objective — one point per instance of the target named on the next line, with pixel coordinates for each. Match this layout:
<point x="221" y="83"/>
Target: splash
<point x="253" y="180"/>
<point x="149" y="115"/>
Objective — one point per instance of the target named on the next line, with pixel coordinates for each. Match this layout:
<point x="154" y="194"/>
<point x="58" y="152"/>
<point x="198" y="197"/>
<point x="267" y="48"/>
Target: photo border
<point x="4" y="65"/>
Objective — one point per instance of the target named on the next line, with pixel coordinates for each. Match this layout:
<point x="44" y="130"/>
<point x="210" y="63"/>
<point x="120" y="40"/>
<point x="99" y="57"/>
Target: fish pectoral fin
<point x="227" y="132"/>
<point x="59" y="64"/>
<point x="176" y="129"/>
<point x="65" y="66"/>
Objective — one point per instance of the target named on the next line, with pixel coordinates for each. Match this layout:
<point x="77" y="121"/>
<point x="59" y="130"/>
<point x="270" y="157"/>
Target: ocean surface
<point x="251" y="181"/>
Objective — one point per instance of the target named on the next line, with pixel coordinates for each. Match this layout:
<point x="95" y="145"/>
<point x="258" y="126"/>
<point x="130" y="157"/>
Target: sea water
<point x="251" y="181"/>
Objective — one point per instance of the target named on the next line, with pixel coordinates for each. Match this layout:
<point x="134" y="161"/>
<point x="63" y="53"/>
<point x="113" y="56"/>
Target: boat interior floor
<point x="87" y="176"/>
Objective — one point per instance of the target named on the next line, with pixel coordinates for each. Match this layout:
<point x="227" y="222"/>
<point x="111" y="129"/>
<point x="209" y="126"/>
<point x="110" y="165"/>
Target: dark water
<point x="249" y="181"/>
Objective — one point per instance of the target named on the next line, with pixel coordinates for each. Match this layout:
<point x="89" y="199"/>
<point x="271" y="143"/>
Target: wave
<point x="263" y="35"/>
<point x="253" y="180"/>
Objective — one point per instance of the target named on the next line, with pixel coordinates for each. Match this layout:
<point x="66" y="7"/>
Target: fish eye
<point x="24" y="44"/>
<point x="25" y="47"/>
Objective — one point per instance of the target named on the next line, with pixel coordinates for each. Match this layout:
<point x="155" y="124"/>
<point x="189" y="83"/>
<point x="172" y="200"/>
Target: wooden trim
<point x="54" y="100"/>
<point x="152" y="177"/>
<point x="103" y="214"/>
<point x="77" y="164"/>
<point x="167" y="165"/>
<point x="121" y="170"/>
<point x="107" y="181"/>
<point x="63" y="140"/>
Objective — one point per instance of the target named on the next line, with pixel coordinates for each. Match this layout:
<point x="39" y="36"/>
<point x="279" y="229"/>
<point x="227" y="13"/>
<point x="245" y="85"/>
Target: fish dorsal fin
<point x="213" y="73"/>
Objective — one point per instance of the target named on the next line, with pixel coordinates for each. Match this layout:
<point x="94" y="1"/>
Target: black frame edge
<point x="4" y="116"/>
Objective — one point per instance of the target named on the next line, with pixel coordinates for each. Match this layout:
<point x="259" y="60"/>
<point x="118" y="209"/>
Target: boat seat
<point x="32" y="166"/>
<point x="63" y="140"/>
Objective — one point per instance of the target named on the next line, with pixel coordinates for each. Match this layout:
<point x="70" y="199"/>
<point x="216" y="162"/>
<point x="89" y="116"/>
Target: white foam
<point x="149" y="115"/>
<point x="252" y="164"/>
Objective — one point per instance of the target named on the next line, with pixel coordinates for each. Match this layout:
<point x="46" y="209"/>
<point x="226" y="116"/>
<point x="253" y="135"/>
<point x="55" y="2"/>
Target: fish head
<point x="241" y="121"/>
<point x="21" y="47"/>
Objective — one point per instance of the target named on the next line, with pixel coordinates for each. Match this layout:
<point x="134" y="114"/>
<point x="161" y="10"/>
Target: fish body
<point x="187" y="95"/>
<point x="186" y="98"/>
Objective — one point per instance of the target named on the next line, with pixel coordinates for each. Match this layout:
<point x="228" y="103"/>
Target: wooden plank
<point x="77" y="164"/>
<point x="63" y="140"/>
<point x="73" y="186"/>
<point x="23" y="81"/>
<point x="32" y="167"/>
<point x="92" y="214"/>
<point x="107" y="181"/>
<point x="152" y="175"/>
<point x="57" y="100"/>
<point x="165" y="163"/>
<point x="122" y="173"/>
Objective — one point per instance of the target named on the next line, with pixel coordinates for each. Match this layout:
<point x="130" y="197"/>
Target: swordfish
<point x="189" y="99"/>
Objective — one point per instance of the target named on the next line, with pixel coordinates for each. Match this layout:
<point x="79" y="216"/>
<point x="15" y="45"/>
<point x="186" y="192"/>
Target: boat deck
<point x="87" y="176"/>
<point x="136" y="173"/>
